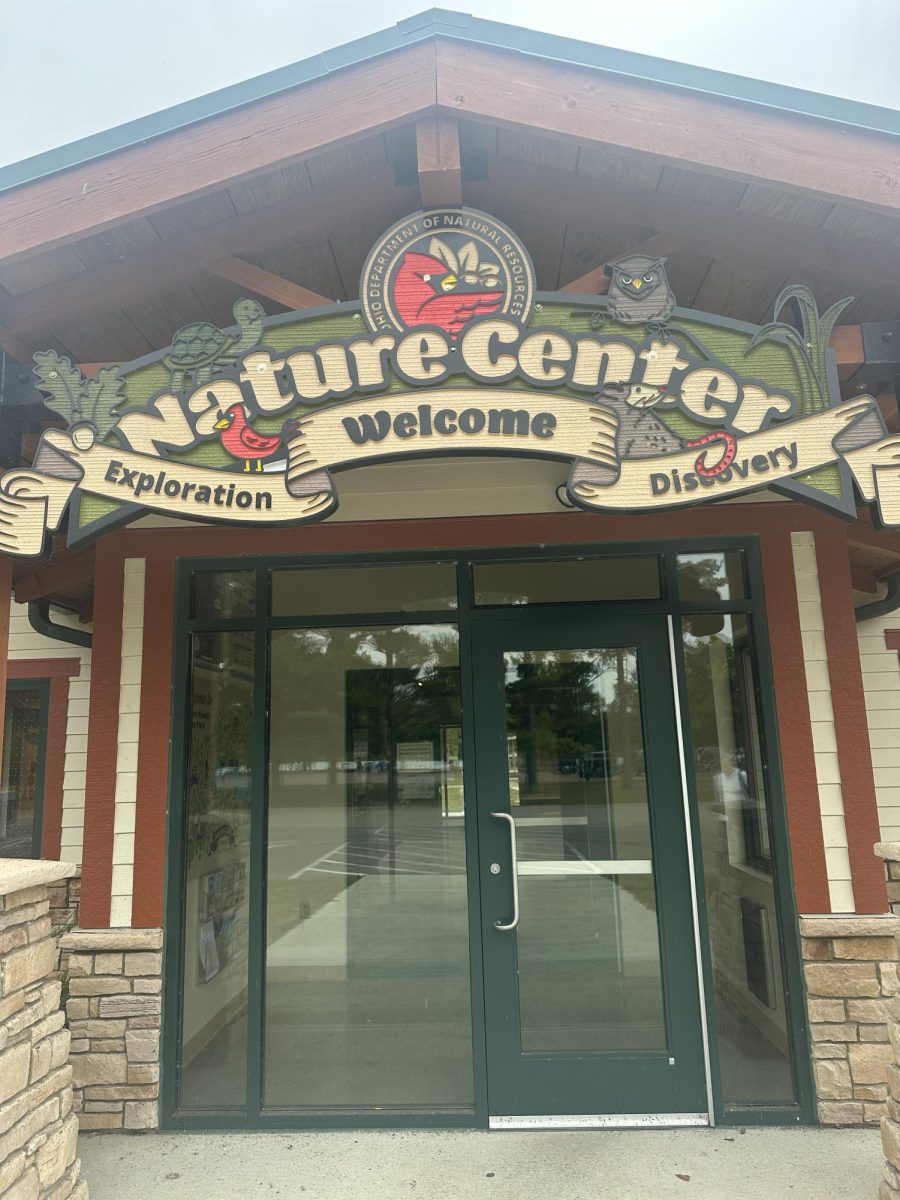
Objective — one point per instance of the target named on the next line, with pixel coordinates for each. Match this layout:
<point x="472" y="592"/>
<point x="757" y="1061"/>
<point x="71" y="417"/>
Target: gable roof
<point x="459" y="27"/>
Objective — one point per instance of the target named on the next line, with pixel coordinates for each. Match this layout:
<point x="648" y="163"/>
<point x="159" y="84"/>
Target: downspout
<point x="889" y="602"/>
<point x="39" y="620"/>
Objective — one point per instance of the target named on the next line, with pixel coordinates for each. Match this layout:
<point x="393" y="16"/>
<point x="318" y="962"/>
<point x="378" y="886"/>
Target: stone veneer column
<point x="38" y="1128"/>
<point x="890" y="1124"/>
<point x="114" y="1007"/>
<point x="851" y="978"/>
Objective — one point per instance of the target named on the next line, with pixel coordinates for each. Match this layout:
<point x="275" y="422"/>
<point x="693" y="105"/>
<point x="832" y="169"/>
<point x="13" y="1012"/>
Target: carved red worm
<point x="730" y="449"/>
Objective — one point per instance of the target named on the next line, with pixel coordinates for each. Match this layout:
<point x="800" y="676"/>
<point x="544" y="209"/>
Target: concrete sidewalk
<point x="715" y="1164"/>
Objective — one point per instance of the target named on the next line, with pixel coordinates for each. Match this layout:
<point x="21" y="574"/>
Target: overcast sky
<point x="72" y="67"/>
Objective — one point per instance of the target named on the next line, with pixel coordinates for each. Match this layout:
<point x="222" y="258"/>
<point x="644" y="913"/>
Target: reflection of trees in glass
<point x="413" y="666"/>
<point x="721" y="692"/>
<point x="221" y="722"/>
<point x="561" y="705"/>
<point x="710" y="577"/>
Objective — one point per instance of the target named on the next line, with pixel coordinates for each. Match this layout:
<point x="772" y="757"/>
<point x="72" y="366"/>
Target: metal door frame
<point x="669" y="605"/>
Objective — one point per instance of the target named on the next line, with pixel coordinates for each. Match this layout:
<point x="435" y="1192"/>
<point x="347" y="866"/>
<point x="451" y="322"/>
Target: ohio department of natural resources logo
<point x="442" y="268"/>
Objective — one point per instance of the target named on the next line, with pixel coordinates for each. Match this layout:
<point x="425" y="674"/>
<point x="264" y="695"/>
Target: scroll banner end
<point x="30" y="504"/>
<point x="876" y="469"/>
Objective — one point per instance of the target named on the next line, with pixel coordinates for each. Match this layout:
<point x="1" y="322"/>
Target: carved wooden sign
<point x="450" y="351"/>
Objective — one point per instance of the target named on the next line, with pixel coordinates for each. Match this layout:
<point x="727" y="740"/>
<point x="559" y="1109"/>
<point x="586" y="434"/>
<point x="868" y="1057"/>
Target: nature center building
<point x="450" y="501"/>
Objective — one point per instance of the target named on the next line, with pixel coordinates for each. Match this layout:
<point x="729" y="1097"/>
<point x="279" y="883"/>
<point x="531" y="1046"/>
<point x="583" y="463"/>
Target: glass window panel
<point x="217" y="595"/>
<point x="367" y="961"/>
<point x="567" y="581"/>
<point x="588" y="941"/>
<point x="754" y="1047"/>
<point x="714" y="575"/>
<point x="329" y="591"/>
<point x="214" y="1028"/>
<point x="21" y="786"/>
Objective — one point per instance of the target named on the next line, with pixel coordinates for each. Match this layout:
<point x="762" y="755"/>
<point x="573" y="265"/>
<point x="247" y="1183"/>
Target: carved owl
<point x="639" y="291"/>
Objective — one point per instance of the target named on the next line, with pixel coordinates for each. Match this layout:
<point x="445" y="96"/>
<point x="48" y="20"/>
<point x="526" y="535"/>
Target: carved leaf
<point x="63" y="384"/>
<point x="468" y="257"/>
<point x="439" y="249"/>
<point x="105" y="392"/>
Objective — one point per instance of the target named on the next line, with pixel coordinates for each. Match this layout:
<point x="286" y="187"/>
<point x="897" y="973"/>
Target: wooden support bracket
<point x="264" y="283"/>
<point x="437" y="151"/>
<point x="596" y="282"/>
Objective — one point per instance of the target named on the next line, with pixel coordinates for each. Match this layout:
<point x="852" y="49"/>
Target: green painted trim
<point x="467" y="684"/>
<point x="259" y="840"/>
<point x="709" y="996"/>
<point x="176" y="866"/>
<point x="788" y="916"/>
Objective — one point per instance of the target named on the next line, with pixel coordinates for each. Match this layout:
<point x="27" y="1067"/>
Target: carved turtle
<point x="200" y="350"/>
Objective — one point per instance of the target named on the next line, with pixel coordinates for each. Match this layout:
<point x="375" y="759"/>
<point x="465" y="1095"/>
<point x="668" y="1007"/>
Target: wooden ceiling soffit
<point x="866" y="536"/>
<point x="285" y="128"/>
<point x="156" y="268"/>
<point x="72" y="572"/>
<point x="724" y="136"/>
<point x="758" y="241"/>
<point x="265" y="284"/>
<point x="438" y="158"/>
<point x="14" y="346"/>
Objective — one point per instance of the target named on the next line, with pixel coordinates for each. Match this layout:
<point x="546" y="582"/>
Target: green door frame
<point x="556" y="1084"/>
<point x="669" y="606"/>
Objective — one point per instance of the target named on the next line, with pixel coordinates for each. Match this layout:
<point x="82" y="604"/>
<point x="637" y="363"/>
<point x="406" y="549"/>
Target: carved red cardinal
<point x="428" y="291"/>
<point x="243" y="442"/>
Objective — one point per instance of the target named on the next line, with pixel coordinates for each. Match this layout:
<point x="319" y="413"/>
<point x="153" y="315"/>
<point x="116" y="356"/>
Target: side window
<point x="22" y="779"/>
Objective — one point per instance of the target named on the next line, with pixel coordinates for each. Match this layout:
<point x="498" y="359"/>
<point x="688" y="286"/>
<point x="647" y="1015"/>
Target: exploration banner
<point x="652" y="406"/>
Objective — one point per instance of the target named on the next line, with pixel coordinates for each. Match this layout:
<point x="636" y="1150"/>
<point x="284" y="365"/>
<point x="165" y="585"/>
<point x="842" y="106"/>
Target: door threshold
<point x="601" y="1121"/>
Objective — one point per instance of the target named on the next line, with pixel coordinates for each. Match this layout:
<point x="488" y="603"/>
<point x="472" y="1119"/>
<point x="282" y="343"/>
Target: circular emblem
<point x="443" y="268"/>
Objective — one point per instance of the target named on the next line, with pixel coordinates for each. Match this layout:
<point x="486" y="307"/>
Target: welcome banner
<point x="462" y="421"/>
<point x="451" y="350"/>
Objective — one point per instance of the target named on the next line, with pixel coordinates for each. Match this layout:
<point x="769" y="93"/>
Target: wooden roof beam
<point x="738" y="140"/>
<point x="340" y="107"/>
<point x="264" y="283"/>
<point x="863" y="579"/>
<point x="758" y="241"/>
<point x="437" y="153"/>
<point x="153" y="270"/>
<point x="596" y="281"/>
<point x="722" y="136"/>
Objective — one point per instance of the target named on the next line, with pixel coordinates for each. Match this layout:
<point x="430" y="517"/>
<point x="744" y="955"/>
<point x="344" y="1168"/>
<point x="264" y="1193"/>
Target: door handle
<point x="514" y="868"/>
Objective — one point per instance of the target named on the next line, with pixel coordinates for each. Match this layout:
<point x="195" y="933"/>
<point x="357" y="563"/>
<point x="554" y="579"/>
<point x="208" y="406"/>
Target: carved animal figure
<point x="639" y="292"/>
<point x="200" y="350"/>
<point x="242" y="441"/>
<point x="428" y="291"/>
<point x="642" y="432"/>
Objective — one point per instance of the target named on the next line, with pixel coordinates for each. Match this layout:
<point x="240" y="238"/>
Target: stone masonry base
<point x="114" y="1007"/>
<point x="38" y="1129"/>
<point x="851" y="978"/>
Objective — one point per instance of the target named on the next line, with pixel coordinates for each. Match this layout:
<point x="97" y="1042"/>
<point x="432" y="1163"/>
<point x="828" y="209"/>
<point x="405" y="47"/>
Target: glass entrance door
<point x="590" y="979"/>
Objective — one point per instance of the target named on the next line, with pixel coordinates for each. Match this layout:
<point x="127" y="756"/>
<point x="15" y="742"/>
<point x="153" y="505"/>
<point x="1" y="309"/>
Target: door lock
<point x="495" y="868"/>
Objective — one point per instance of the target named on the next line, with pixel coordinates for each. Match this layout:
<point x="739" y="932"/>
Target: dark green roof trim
<point x="440" y="22"/>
